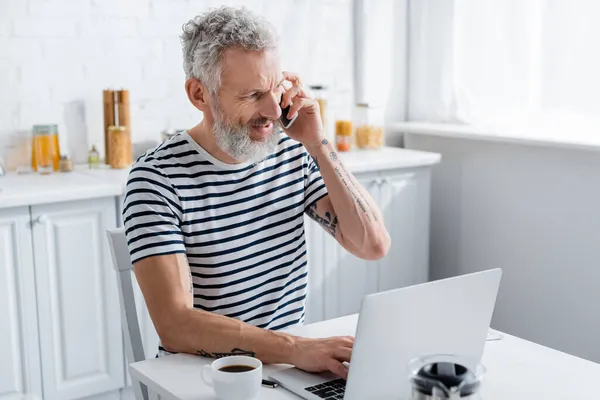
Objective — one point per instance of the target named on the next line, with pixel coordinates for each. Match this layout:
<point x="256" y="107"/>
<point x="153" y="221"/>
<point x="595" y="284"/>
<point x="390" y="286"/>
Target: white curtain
<point x="530" y="67"/>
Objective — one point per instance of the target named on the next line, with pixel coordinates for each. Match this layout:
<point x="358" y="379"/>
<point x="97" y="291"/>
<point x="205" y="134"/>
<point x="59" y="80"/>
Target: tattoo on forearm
<point x="353" y="183"/>
<point x="234" y="352"/>
<point x="359" y="201"/>
<point x="328" y="223"/>
<point x="333" y="156"/>
<point x="324" y="141"/>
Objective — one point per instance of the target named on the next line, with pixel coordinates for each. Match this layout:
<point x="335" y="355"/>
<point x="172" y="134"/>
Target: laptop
<point x="448" y="316"/>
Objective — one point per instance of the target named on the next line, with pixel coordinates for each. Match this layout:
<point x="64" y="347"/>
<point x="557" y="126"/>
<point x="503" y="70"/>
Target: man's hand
<point x="308" y="127"/>
<point x="318" y="355"/>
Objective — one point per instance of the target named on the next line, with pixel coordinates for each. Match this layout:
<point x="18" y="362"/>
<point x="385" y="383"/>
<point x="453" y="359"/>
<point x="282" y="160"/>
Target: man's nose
<point x="270" y="107"/>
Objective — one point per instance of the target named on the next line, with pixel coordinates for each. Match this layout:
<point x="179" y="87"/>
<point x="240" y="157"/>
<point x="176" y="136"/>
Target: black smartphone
<point x="285" y="122"/>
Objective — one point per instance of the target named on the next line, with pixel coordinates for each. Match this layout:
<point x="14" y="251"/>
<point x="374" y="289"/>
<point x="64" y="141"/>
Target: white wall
<point x="56" y="56"/>
<point x="534" y="212"/>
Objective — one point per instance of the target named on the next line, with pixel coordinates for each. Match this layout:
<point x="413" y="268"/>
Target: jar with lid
<point x="120" y="152"/>
<point x="369" y="123"/>
<point x="319" y="93"/>
<point x="343" y="135"/>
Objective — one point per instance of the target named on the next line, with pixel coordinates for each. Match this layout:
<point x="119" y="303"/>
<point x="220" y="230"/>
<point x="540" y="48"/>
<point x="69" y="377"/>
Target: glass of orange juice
<point x="45" y="148"/>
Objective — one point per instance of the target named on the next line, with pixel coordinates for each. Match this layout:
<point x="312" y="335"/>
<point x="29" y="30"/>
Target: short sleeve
<point x="314" y="187"/>
<point x="151" y="214"/>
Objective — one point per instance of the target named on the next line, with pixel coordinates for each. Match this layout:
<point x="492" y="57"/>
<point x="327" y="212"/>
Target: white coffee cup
<point x="234" y="385"/>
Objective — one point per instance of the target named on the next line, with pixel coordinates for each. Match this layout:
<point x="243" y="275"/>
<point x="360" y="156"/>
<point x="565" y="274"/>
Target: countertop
<point x="568" y="138"/>
<point x="83" y="183"/>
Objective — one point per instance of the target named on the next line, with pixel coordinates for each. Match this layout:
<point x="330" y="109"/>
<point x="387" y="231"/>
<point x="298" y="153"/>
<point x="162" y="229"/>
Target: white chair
<point x="129" y="315"/>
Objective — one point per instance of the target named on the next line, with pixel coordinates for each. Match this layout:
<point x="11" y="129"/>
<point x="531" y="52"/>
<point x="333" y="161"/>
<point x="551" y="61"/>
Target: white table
<point x="516" y="370"/>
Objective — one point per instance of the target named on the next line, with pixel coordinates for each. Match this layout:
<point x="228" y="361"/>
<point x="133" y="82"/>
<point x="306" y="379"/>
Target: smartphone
<point x="285" y="122"/>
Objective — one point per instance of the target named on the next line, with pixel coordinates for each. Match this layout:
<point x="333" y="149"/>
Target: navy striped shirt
<point x="240" y="226"/>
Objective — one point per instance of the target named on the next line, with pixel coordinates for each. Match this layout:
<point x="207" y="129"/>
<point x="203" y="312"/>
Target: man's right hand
<point x="318" y="355"/>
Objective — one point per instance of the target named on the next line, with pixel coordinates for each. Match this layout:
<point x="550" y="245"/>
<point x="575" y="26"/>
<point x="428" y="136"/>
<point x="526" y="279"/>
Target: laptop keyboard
<point x="329" y="390"/>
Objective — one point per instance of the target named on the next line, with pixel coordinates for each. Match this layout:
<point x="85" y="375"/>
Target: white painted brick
<point x="121" y="8"/>
<point x="59" y="8"/>
<point x="60" y="72"/>
<point x="173" y="47"/>
<point x="152" y="71"/>
<point x="149" y="90"/>
<point x="113" y="73"/>
<point x="13" y="8"/>
<point x="73" y="48"/>
<point x="5" y="28"/>
<point x="44" y="27"/>
<point x="179" y="10"/>
<point x="40" y="113"/>
<point x="127" y="49"/>
<point x="20" y="49"/>
<point x="108" y="27"/>
<point x="10" y="116"/>
<point x="160" y="28"/>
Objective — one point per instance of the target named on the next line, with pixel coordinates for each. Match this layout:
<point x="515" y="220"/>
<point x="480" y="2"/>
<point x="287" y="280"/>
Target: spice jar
<point x="369" y="127"/>
<point x="119" y="147"/>
<point x="343" y="135"/>
<point x="66" y="164"/>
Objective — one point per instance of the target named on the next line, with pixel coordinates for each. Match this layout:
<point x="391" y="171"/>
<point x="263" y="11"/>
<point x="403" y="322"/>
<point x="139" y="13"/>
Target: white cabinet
<point x="338" y="281"/>
<point x="405" y="203"/>
<point x="20" y="365"/>
<point x="355" y="277"/>
<point x="80" y="329"/>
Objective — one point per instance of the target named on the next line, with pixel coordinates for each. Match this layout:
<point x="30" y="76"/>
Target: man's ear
<point x="198" y="94"/>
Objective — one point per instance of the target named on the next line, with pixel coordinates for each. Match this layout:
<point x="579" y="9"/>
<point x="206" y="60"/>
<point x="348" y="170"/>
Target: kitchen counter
<point x="83" y="183"/>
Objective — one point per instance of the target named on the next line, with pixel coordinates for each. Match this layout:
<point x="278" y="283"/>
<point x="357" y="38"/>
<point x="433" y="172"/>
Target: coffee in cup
<point x="234" y="377"/>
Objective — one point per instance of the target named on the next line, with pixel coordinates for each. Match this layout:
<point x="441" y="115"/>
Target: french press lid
<point x="447" y="378"/>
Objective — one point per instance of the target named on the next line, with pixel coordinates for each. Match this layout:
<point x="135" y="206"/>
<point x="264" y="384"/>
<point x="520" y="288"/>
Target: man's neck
<point x="205" y="137"/>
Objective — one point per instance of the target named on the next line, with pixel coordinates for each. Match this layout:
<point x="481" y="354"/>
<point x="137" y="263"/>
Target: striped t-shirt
<point x="240" y="226"/>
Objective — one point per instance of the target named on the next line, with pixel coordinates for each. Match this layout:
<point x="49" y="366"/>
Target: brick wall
<point x="56" y="56"/>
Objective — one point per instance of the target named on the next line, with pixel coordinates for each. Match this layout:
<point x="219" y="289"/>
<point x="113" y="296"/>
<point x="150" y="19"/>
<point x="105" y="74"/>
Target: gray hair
<point x="206" y="37"/>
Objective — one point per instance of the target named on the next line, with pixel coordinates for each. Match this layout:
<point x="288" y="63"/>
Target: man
<point x="214" y="216"/>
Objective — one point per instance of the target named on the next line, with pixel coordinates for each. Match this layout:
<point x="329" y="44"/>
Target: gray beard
<point x="235" y="140"/>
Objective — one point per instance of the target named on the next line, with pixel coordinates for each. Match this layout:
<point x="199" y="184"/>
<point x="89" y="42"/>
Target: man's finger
<point x="343" y="354"/>
<point x="292" y="77"/>
<point x="287" y="97"/>
<point x="300" y="103"/>
<point x="338" y="368"/>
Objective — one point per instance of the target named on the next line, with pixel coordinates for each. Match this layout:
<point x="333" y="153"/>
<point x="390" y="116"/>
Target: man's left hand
<point x="308" y="127"/>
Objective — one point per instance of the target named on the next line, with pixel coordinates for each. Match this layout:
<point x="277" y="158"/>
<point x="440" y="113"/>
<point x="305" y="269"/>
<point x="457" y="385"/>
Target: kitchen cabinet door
<point x="347" y="278"/>
<point x="319" y="246"/>
<point x="405" y="205"/>
<point x="20" y="365"/>
<point x="79" y="316"/>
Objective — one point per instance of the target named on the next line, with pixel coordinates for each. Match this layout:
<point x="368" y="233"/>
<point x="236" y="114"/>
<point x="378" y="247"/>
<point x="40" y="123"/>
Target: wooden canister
<point x="108" y="97"/>
<point x="119" y="147"/>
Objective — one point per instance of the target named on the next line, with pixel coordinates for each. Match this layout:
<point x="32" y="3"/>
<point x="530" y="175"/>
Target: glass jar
<point x="369" y="123"/>
<point x="119" y="147"/>
<point x="45" y="156"/>
<point x="17" y="154"/>
<point x="343" y="135"/>
<point x="319" y="93"/>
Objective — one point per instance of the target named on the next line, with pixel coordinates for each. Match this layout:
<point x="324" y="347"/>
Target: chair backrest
<point x="129" y="316"/>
